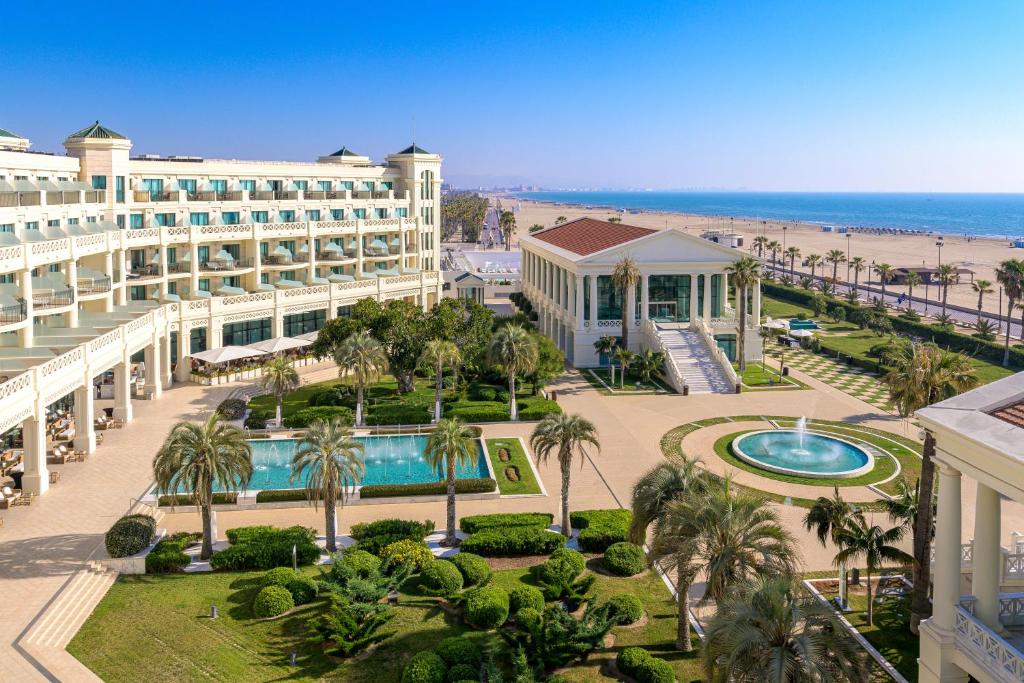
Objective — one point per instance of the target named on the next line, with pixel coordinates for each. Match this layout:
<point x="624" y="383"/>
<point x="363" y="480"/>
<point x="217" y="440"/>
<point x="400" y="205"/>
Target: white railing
<point x="651" y="338"/>
<point x="1000" y="659"/>
<point x="719" y="354"/>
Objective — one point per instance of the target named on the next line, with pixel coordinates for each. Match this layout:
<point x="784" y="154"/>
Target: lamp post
<point x="926" y="281"/>
<point x="847" y="259"/>
<point x="939" y="244"/>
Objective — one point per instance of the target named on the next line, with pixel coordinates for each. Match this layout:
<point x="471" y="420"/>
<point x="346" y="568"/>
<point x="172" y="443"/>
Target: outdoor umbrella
<point x="278" y="344"/>
<point x="227" y="353"/>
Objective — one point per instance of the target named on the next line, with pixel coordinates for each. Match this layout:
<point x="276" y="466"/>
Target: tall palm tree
<point x="825" y="518"/>
<point x="923" y="374"/>
<point x="913" y="280"/>
<point x="567" y="437"/>
<point x="1010" y="274"/>
<point x="902" y="507"/>
<point x="507" y="224"/>
<point x="981" y="288"/>
<point x="513" y="350"/>
<point x="793" y="253"/>
<point x="859" y="539"/>
<point x="437" y="354"/>
<point x="625" y="276"/>
<point x="859" y="265"/>
<point x="947" y="275"/>
<point x="647" y="363"/>
<point x="361" y="358"/>
<point x="450" y="445"/>
<point x="774" y="247"/>
<point x="560" y="219"/>
<point x="279" y="378"/>
<point x="835" y="257"/>
<point x="760" y="242"/>
<point x="884" y="272"/>
<point x="769" y="632"/>
<point x="744" y="274"/>
<point x="625" y="357"/>
<point x="331" y="461"/>
<point x="813" y="260"/>
<point x="196" y="457"/>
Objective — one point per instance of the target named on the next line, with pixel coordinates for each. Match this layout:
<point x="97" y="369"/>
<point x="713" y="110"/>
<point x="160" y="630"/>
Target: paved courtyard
<point x="862" y="384"/>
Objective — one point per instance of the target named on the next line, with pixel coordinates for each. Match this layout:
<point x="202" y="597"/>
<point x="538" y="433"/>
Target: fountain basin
<point x="803" y="454"/>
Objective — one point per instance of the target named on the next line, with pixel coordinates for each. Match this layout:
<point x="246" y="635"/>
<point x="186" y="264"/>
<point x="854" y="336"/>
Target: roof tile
<point x="585" y="236"/>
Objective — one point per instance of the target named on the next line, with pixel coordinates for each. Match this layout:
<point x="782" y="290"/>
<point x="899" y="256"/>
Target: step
<point x="73" y="606"/>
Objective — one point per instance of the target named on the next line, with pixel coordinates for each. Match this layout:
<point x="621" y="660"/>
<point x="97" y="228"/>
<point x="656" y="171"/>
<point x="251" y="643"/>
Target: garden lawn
<point x="632" y="385"/>
<point x="760" y="377"/>
<point x="527" y="483"/>
<point x="890" y="634"/>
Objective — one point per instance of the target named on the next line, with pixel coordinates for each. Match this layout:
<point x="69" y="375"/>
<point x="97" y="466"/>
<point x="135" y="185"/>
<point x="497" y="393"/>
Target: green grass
<point x="520" y="460"/>
<point x="158" y="628"/>
<point x="632" y="385"/>
<point x="758" y="377"/>
<point x="890" y="634"/>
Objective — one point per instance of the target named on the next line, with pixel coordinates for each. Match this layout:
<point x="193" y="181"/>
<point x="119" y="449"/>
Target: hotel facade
<point x="107" y="259"/>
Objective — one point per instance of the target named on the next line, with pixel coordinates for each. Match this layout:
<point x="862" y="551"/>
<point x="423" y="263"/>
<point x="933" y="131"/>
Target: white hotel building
<point x="105" y="257"/>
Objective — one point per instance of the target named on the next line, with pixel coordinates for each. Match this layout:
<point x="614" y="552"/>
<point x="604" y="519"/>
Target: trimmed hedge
<point x="168" y="555"/>
<point x="625" y="609"/>
<point x="475" y="523"/>
<point x="459" y="650"/>
<point x="374" y="536"/>
<point x="486" y="607"/>
<point x="263" y="547"/>
<point x="474" y="568"/>
<point x="232" y="408"/>
<point x="272" y="601"/>
<point x="278" y="576"/>
<point x="303" y="589"/>
<point x="510" y="542"/>
<point x="407" y="552"/>
<point x="625" y="559"/>
<point x="353" y="563"/>
<point x="129" y="535"/>
<point x="424" y="667"/>
<point x="438" y="488"/>
<point x="281" y="495"/>
<point x="638" y="664"/>
<point x="441" y="578"/>
<point x="463" y="673"/>
<point x="219" y="498"/>
<point x="539" y="409"/>
<point x="257" y="419"/>
<point x="525" y="597"/>
<point x="306" y="416"/>
<point x="529" y="619"/>
<point x="480" y="412"/>
<point x="564" y="565"/>
<point x="600" y="528"/>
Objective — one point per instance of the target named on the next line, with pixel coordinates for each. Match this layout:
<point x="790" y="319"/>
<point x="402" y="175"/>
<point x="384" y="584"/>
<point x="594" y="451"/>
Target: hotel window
<point x="344" y="311"/>
<point x="204" y="286"/>
<point x="6" y="227"/>
<point x="99" y="182"/>
<point x="232" y="281"/>
<point x="203" y="253"/>
<point x="155" y="187"/>
<point x="259" y="216"/>
<point x="136" y="220"/>
<point x="219" y="186"/>
<point x="338" y="214"/>
<point x="427" y="213"/>
<point x="387" y="185"/>
<point x="234" y="249"/>
<point x="137" y="292"/>
<point x="586" y="297"/>
<point x="288" y="244"/>
<point x="229" y="217"/>
<point x="31" y="225"/>
<point x="172" y="288"/>
<point x="402" y="213"/>
<point x="609" y="299"/>
<point x="164" y="220"/>
<point x="264" y="278"/>
<point x="53" y="268"/>
<point x="347" y="185"/>
<point x="367" y="186"/>
<point x="301" y="323"/>
<point x="427" y="185"/>
<point x="7" y="278"/>
<point x="92" y="219"/>
<point x="74" y="221"/>
<point x="274" y="185"/>
<point x="53" y="223"/>
<point x="264" y="250"/>
<point x="301" y="184"/>
<point x="119" y="189"/>
<point x="187" y="184"/>
<point x="197" y="340"/>
<point x="313" y="215"/>
<point x="202" y="218"/>
<point x="360" y="213"/>
<point x="247" y="332"/>
<point x="325" y="185"/>
<point x="287" y="216"/>
<point x="247" y="185"/>
<point x="380" y="213"/>
<point x="21" y="177"/>
<point x="172" y="255"/>
<point x="716" y="297"/>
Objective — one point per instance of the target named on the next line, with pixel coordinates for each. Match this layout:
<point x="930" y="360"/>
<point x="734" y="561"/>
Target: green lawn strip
<point x="890" y="634"/>
<point x="884" y="468"/>
<point x="633" y="384"/>
<point x="758" y="377"/>
<point x="527" y="481"/>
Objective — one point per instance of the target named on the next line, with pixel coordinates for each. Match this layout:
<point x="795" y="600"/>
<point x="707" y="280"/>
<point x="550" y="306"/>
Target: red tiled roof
<point x="585" y="236"/>
<point x="1013" y="413"/>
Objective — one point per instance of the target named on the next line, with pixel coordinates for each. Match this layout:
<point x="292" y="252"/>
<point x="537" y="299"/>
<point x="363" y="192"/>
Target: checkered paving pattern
<point x="850" y="380"/>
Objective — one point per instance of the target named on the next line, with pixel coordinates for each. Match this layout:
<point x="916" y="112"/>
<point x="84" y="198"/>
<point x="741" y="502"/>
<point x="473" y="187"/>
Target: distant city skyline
<point x="792" y="96"/>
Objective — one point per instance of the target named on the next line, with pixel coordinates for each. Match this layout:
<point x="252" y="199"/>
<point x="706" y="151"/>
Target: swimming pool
<point x="396" y="459"/>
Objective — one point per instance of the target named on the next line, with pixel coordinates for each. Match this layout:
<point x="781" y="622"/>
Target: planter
<point x="686" y="390"/>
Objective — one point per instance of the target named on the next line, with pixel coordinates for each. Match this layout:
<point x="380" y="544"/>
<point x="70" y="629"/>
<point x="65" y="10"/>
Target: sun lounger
<point x="9" y="497"/>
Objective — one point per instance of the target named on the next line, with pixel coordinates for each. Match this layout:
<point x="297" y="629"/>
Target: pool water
<point x="797" y="324"/>
<point x="388" y="459"/>
<point x="782" y="450"/>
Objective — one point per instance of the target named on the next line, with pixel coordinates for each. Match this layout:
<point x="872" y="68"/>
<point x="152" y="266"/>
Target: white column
<point x="122" y="390"/>
<point x="277" y="324"/>
<point x="401" y="251"/>
<point x="707" y="298"/>
<point x="645" y="297"/>
<point x="194" y="265"/>
<point x="72" y="274"/>
<point x="593" y="301"/>
<point x="184" y="369"/>
<point x="756" y="296"/>
<point x="630" y="304"/>
<point x="167" y="376"/>
<point x="162" y="251"/>
<point x="153" y="381"/>
<point x="25" y="333"/>
<point x="578" y="312"/>
<point x="693" y="299"/>
<point x="122" y="267"/>
<point x="988" y="557"/>
<point x="946" y="589"/>
<point x="311" y="245"/>
<point x="108" y="263"/>
<point x="723" y="293"/>
<point x="33" y="431"/>
<point x="85" y="432"/>
<point x="257" y="264"/>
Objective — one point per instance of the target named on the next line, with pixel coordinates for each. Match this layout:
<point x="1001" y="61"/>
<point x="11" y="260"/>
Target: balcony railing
<point x="96" y="197"/>
<point x="63" y="198"/>
<point x="55" y="299"/>
<point x="149" y="270"/>
<point x="271" y="195"/>
<point x="987" y="647"/>
<point x="94" y="286"/>
<point x="209" y="196"/>
<point x="8" y="199"/>
<point x="14" y="313"/>
<point x="237" y="264"/>
<point x="325" y="194"/>
<point x="146" y="196"/>
<point x="277" y="260"/>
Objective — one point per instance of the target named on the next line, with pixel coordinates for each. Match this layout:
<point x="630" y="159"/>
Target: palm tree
<point x="606" y="345"/>
<point x="913" y="280"/>
<point x="560" y="220"/>
<point x="279" y="378"/>
<point x="615" y="219"/>
<point x="981" y="287"/>
<point x="567" y="436"/>
<point x="884" y="272"/>
<point x="769" y="632"/>
<point x="195" y="458"/>
<point x="921" y="375"/>
<point x="507" y="224"/>
<point x="647" y="363"/>
<point x="625" y="357"/>
<point x="332" y="463"/>
<point x="744" y="274"/>
<point x="825" y="518"/>
<point x="775" y="248"/>
<point x="859" y="265"/>
<point x="1010" y="274"/>
<point x="513" y="350"/>
<point x="450" y="445"/>
<point x="362" y="358"/>
<point x="624" y="277"/>
<point x="947" y="276"/>
<point x="814" y="260"/>
<point x="835" y="257"/>
<point x="536" y="227"/>
<point x="437" y="354"/>
<point x="793" y="253"/>
<point x="760" y="242"/>
<point x="902" y="507"/>
<point x="857" y="539"/>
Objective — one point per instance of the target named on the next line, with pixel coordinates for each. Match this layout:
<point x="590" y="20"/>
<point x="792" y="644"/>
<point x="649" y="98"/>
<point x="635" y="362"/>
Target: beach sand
<point x="982" y="255"/>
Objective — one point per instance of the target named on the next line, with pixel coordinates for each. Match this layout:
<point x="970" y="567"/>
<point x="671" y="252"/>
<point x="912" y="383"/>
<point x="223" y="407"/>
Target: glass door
<point x="662" y="311"/>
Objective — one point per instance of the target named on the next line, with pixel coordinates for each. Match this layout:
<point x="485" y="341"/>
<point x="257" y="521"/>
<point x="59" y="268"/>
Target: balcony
<point x="13" y="313"/>
<point x="93" y="285"/>
<point x="1001" y="657"/>
<point x="146" y="196"/>
<point x="233" y="196"/>
<point x="272" y="196"/>
<point x="53" y="198"/>
<point x="8" y="199"/>
<point x="219" y="266"/>
<point x="278" y="260"/>
<point x="53" y="299"/>
<point x="328" y="194"/>
<point x="179" y="267"/>
<point x="146" y="271"/>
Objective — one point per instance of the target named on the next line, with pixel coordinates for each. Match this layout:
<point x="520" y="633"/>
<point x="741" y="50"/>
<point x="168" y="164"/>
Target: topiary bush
<point x="354" y="563"/>
<point x="129" y="535"/>
<point x="303" y="589"/>
<point x="266" y="547"/>
<point x="625" y="609"/>
<point x="335" y="395"/>
<point x="272" y="601"/>
<point x="516" y="541"/>
<point x="459" y="650"/>
<point x="232" y="408"/>
<point x="168" y="555"/>
<point x="414" y="554"/>
<point x="525" y="597"/>
<point x="475" y="523"/>
<point x="529" y="619"/>
<point x="306" y="416"/>
<point x="374" y="536"/>
<point x="625" y="559"/>
<point x="463" y="672"/>
<point x="278" y="576"/>
<point x="424" y="667"/>
<point x="638" y="664"/>
<point x="600" y="528"/>
<point x="474" y="568"/>
<point x="428" y="488"/>
<point x="441" y="577"/>
<point x="257" y="419"/>
<point x="573" y="557"/>
<point x="486" y="607"/>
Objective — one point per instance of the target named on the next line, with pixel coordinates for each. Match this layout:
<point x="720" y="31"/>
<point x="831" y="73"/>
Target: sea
<point x="979" y="215"/>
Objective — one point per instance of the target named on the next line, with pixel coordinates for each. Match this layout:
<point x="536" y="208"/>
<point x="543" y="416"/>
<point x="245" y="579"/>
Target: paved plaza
<point x="863" y="384"/>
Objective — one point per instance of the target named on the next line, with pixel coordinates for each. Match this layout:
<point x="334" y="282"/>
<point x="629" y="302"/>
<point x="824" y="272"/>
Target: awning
<point x="282" y="251"/>
<point x="53" y="232"/>
<point x="288" y="284"/>
<point x="801" y="333"/>
<point x="31" y="235"/>
<point x="84" y="186"/>
<point x="6" y="186"/>
<point x="366" y="275"/>
<point x="75" y="229"/>
<point x="48" y="186"/>
<point x="339" y="277"/>
<point x="67" y="186"/>
<point x="200" y="294"/>
<point x="265" y="287"/>
<point x="278" y="344"/>
<point x="228" y="290"/>
<point x="24" y="186"/>
<point x="170" y="297"/>
<point x="227" y="353"/>
<point x="308" y="336"/>
<point x="318" y="281"/>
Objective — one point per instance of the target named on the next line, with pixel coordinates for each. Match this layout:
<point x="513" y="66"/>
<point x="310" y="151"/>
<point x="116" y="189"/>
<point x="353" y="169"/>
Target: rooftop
<point x="414" y="149"/>
<point x="585" y="236"/>
<point x="345" y="152"/>
<point x="8" y="134"/>
<point x="96" y="131"/>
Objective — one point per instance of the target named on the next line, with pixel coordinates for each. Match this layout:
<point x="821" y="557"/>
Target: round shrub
<point x="522" y="597"/>
<point x="625" y="609"/>
<point x="485" y="393"/>
<point x="624" y="559"/>
<point x="638" y="664"/>
<point x="573" y="557"/>
<point x="424" y="667"/>
<point x="303" y="589"/>
<point x="441" y="578"/>
<point x="463" y="672"/>
<point x="564" y="565"/>
<point x="459" y="650"/>
<point x="528" y="618"/>
<point x="501" y="396"/>
<point x="232" y="408"/>
<point x="354" y="563"/>
<point x="271" y="601"/>
<point x="363" y="590"/>
<point x="486" y="607"/>
<point x="129" y="535"/>
<point x="474" y="568"/>
<point x="415" y="554"/>
<point x="278" y="576"/>
<point x="331" y="396"/>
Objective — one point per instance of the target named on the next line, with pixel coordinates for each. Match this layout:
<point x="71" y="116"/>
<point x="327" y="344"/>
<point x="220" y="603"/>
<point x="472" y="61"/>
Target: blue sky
<point x="874" y="96"/>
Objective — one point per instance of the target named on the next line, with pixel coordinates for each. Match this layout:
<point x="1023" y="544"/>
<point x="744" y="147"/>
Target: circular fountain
<point x="802" y="453"/>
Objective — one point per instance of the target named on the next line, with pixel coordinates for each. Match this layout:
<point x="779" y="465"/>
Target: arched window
<point x="427" y="186"/>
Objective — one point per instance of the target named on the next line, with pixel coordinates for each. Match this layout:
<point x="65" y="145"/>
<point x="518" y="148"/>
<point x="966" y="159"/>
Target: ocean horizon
<point x="978" y="215"/>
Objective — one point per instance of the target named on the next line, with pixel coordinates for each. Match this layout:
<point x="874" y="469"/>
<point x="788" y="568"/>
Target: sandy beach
<point x="982" y="255"/>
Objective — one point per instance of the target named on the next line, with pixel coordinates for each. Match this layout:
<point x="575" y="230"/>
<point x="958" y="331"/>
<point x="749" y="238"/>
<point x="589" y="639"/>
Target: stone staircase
<point x="694" y="361"/>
